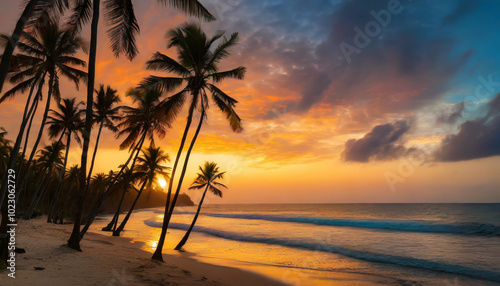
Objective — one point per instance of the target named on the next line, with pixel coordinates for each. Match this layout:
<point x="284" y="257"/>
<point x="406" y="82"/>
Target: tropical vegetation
<point x="43" y="51"/>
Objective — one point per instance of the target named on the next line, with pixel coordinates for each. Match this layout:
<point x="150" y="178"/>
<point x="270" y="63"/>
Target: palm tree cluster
<point x="47" y="52"/>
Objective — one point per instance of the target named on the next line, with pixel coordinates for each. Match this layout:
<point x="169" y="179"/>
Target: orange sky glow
<point x="287" y="155"/>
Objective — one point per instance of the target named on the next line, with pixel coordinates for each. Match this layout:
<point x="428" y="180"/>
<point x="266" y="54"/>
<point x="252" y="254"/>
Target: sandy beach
<point x="107" y="260"/>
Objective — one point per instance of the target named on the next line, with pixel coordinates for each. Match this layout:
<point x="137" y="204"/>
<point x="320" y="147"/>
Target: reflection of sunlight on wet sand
<point x="150" y="235"/>
<point x="153" y="244"/>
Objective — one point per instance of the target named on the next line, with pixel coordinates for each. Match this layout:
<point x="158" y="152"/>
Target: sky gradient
<point x="343" y="101"/>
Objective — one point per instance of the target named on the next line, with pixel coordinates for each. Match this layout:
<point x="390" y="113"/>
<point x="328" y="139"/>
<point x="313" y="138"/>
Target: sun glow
<point x="162" y="182"/>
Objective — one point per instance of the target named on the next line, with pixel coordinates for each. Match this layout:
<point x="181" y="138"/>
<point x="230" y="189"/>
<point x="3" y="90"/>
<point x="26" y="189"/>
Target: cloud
<point x="478" y="138"/>
<point x="453" y="115"/>
<point x="409" y="65"/>
<point x="383" y="142"/>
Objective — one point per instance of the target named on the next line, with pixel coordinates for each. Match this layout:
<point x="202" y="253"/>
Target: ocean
<point x="319" y="244"/>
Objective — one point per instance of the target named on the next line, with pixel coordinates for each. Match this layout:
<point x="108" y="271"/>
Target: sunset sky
<point x="410" y="115"/>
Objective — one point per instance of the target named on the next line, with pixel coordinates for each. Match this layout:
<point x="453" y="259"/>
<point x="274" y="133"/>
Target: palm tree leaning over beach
<point x="139" y="123"/>
<point x="149" y="167"/>
<point x="50" y="52"/>
<point x="122" y="31"/>
<point x="196" y="68"/>
<point x="207" y="178"/>
<point x="68" y="121"/>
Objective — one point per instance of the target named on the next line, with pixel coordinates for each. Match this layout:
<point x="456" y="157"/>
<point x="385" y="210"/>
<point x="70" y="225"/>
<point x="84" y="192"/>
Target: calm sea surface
<point x="318" y="244"/>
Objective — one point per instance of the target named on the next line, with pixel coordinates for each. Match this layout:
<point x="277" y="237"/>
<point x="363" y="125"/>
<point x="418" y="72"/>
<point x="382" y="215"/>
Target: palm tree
<point x="196" y="69"/>
<point x="68" y="121"/>
<point x="70" y="180"/>
<point x="124" y="182"/>
<point x="50" y="52"/>
<point x="34" y="13"/>
<point x="49" y="157"/>
<point x="122" y="30"/>
<point x="148" y="168"/>
<point x="105" y="113"/>
<point x="207" y="178"/>
<point x="98" y="185"/>
<point x="139" y="123"/>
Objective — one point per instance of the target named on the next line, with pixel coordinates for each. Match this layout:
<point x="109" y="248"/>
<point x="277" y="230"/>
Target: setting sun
<point x="162" y="182"/>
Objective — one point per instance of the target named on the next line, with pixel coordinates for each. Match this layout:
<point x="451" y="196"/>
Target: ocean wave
<point x="471" y="228"/>
<point x="372" y="257"/>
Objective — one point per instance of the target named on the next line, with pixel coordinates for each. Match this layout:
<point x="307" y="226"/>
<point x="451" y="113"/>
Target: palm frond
<point x="222" y="50"/>
<point x="122" y="27"/>
<point x="163" y="84"/>
<point x="81" y="13"/>
<point x="163" y="62"/>
<point x="237" y="73"/>
<point x="190" y="7"/>
<point x="20" y="87"/>
<point x="215" y="191"/>
<point x="226" y="104"/>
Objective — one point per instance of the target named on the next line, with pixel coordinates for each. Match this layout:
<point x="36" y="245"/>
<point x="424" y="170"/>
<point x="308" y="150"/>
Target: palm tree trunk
<point x="34" y="107"/>
<point x="109" y="227"/>
<point x="95" y="153"/>
<point x="157" y="254"/>
<point x="117" y="213"/>
<point x="14" y="39"/>
<point x="40" y="132"/>
<point x="125" y="220"/>
<point x="110" y="187"/>
<point x="28" y="116"/>
<point x="27" y="106"/>
<point x="188" y="232"/>
<point x="68" y="196"/>
<point x="38" y="194"/>
<point x="17" y="145"/>
<point x="89" y="175"/>
<point x="114" y="221"/>
<point x="25" y="145"/>
<point x="168" y="212"/>
<point x="55" y="200"/>
<point x="74" y="240"/>
<point x="21" y="164"/>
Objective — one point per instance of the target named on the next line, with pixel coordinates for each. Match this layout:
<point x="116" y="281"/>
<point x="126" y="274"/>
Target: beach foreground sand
<point x="107" y="260"/>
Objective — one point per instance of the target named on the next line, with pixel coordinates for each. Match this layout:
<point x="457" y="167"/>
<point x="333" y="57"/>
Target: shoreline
<point x="107" y="260"/>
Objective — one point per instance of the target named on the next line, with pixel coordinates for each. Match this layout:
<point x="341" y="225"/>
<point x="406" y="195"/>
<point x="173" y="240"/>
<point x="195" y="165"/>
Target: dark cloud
<point x="453" y="115"/>
<point x="383" y="142"/>
<point x="478" y="138"/>
<point x="408" y="65"/>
